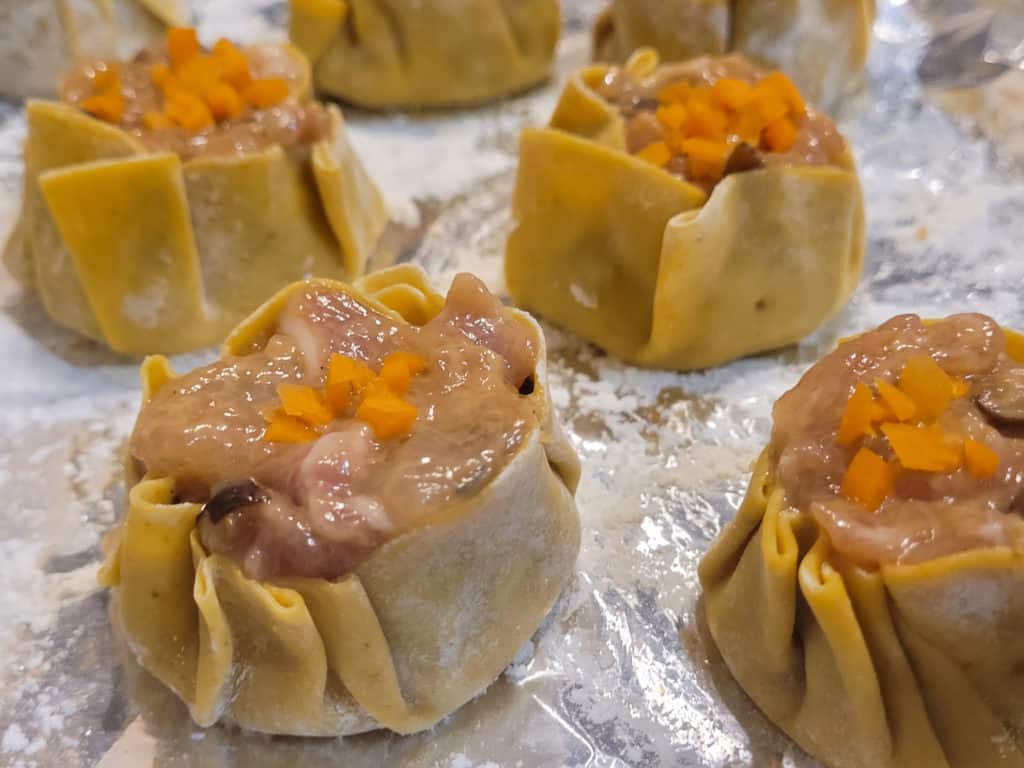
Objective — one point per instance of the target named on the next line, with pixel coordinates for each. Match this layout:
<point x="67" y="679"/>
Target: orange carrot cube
<point x="398" y="369"/>
<point x="305" y="404"/>
<point x="656" y="153"/>
<point x="901" y="406"/>
<point x="732" y="93"/>
<point x="224" y="102"/>
<point x="288" y="429"/>
<point x="671" y="116"/>
<point x="188" y="111"/>
<point x="868" y="479"/>
<point x="857" y="417"/>
<point x="389" y="416"/>
<point x="982" y="462"/>
<point x="780" y="135"/>
<point x="156" y="121"/>
<point x="182" y="45"/>
<point x="107" y="106"/>
<point x="705" y="121"/>
<point x="675" y="93"/>
<point x="266" y="92"/>
<point x="347" y="379"/>
<point x="930" y="387"/>
<point x="928" y="449"/>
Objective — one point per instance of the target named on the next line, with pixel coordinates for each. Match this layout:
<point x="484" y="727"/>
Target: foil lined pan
<point x="623" y="672"/>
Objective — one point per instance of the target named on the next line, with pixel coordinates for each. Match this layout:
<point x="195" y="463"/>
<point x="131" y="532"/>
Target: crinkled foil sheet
<point x="622" y="673"/>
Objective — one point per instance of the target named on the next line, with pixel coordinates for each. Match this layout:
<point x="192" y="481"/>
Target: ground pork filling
<point x="816" y="140"/>
<point x="925" y="514"/>
<point x="319" y="508"/>
<point x="292" y="123"/>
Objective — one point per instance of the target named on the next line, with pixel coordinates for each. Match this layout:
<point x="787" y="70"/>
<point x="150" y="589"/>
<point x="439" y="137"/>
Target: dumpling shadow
<point x="26" y="310"/>
<point x="767" y="744"/>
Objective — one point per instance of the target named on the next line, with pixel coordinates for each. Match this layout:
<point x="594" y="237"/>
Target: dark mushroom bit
<point x="343" y="428"/>
<point x="897" y="444"/>
<point x="710" y="117"/>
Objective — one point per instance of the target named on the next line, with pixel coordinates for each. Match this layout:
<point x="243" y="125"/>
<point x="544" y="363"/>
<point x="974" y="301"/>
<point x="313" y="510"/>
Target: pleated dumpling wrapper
<point x="684" y="215"/>
<point x="869" y="594"/>
<point x="356" y="518"/>
<point x="168" y="196"/>
<point x="385" y="54"/>
<point x="40" y="40"/>
<point x="821" y="44"/>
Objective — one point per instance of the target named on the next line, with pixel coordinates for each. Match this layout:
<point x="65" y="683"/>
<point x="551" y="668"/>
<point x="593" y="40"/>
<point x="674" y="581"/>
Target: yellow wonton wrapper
<point x="431" y="53"/>
<point x="821" y="44"/>
<point x="41" y="39"/>
<point x="641" y="263"/>
<point x="150" y="253"/>
<point x="430" y="620"/>
<point x="913" y="666"/>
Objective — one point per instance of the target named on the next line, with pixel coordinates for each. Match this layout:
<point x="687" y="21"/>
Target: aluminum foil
<point x="623" y="672"/>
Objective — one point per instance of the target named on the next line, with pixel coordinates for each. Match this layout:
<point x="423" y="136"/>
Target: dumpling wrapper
<point x="409" y="637"/>
<point x="909" y="666"/>
<point x="643" y="264"/>
<point x="821" y="44"/>
<point x="41" y="39"/>
<point x="149" y="253"/>
<point x="435" y="53"/>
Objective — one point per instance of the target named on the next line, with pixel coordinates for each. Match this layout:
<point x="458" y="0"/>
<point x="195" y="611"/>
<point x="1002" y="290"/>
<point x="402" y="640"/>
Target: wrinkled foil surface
<point x="623" y="672"/>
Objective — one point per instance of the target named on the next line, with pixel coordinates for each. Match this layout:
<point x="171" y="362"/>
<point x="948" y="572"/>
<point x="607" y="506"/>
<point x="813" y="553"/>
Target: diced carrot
<point x="155" y="121"/>
<point x="234" y="65"/>
<point x="198" y="75"/>
<point x="856" y="421"/>
<point x="705" y="121"/>
<point x="672" y="116"/>
<point x="188" y="111"/>
<point x="930" y="387"/>
<point x="389" y="416"/>
<point x="961" y="388"/>
<point x="266" y="92"/>
<point x="107" y="79"/>
<point x="162" y="77"/>
<point x="347" y="379"/>
<point x="707" y="151"/>
<point x="901" y="406"/>
<point x="305" y="404"/>
<point x="928" y="449"/>
<point x="732" y="93"/>
<point x="224" y="102"/>
<point x="399" y="368"/>
<point x="786" y="88"/>
<point x="770" y="104"/>
<point x="675" y="93"/>
<point x="982" y="462"/>
<point x="182" y="45"/>
<point x="656" y="153"/>
<point x="288" y="429"/>
<point x="747" y="125"/>
<point x="868" y="479"/>
<point x="108" y="106"/>
<point x="706" y="157"/>
<point x="780" y="135"/>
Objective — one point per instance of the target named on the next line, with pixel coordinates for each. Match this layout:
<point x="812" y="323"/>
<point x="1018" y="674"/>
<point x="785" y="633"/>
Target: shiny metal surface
<point x="622" y="673"/>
